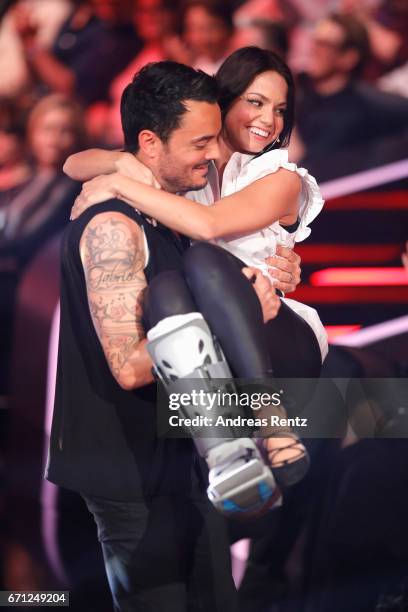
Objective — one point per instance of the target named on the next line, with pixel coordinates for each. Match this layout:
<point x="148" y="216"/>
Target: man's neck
<point x="331" y="85"/>
<point x="145" y="161"/>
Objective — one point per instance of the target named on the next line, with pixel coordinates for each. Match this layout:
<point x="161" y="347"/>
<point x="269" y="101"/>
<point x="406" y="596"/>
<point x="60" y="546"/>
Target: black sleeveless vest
<point x="103" y="439"/>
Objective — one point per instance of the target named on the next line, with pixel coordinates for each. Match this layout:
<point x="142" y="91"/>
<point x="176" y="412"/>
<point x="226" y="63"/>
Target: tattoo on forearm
<point x="114" y="262"/>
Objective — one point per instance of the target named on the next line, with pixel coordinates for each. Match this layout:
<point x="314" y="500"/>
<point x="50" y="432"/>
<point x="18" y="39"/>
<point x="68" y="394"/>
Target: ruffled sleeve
<point x="311" y="202"/>
<point x="242" y="170"/>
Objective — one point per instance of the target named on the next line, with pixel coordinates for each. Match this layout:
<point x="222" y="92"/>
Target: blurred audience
<point x="262" y="33"/>
<point x="95" y="42"/>
<point x="14" y="172"/>
<point x="272" y="10"/>
<point x="14" y="168"/>
<point x="153" y="22"/>
<point x="42" y="203"/>
<point x="207" y="31"/>
<point x="39" y="206"/>
<point x="404" y="257"/>
<point x="387" y="25"/>
<point x="336" y="110"/>
<point x="48" y="16"/>
<point x="396" y="81"/>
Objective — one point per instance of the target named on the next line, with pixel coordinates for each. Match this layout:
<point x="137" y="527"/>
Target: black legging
<point x="212" y="283"/>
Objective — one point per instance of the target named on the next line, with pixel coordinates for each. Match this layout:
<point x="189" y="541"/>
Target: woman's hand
<point x="98" y="189"/>
<point x="270" y="302"/>
<point x="107" y="186"/>
<point x="285" y="269"/>
<point x="127" y="165"/>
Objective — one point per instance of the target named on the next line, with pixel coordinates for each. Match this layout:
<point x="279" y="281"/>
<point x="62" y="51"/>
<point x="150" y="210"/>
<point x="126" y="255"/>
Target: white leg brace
<point x="188" y="358"/>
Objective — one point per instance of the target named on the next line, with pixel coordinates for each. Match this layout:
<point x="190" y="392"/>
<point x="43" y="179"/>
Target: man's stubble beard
<point x="173" y="184"/>
<point x="172" y="181"/>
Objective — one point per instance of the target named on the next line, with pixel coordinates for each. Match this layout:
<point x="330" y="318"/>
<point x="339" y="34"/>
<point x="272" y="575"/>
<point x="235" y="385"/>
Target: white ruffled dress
<point x="253" y="249"/>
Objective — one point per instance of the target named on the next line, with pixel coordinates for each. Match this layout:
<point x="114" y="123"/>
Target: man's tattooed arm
<point x="113" y="255"/>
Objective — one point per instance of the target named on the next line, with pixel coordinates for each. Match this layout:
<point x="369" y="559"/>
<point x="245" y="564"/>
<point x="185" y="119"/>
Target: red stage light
<point x="358" y="277"/>
<point x="334" y="331"/>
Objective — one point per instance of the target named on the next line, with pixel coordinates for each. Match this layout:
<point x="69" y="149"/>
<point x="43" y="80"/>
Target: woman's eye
<point x="257" y="103"/>
<point x="281" y="111"/>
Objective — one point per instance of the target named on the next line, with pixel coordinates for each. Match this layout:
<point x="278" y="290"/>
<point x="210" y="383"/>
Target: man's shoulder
<point x="113" y="213"/>
<point x="114" y="210"/>
<point x="110" y="208"/>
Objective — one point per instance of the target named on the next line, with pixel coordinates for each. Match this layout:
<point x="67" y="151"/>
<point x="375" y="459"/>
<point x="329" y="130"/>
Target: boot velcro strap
<point x="203" y="377"/>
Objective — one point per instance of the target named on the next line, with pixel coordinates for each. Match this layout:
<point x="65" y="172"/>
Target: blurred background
<point x="340" y="543"/>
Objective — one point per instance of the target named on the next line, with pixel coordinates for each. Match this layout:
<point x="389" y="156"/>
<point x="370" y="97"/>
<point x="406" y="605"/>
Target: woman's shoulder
<point x="251" y="168"/>
<point x="272" y="167"/>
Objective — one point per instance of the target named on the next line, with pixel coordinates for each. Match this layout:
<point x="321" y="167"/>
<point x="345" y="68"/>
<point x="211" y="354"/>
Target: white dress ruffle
<point x="240" y="172"/>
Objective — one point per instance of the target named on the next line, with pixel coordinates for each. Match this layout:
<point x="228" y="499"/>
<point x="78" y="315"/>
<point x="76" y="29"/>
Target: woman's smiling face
<point x="256" y="118"/>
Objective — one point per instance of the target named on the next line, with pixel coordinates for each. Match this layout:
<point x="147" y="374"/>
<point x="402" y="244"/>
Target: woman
<point x="257" y="103"/>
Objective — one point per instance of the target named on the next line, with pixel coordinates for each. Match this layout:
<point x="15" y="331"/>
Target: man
<point x="337" y="113"/>
<point x="164" y="545"/>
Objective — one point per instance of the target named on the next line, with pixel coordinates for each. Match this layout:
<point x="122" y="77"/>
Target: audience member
<point x="207" y="30"/>
<point x="288" y="23"/>
<point x="387" y="24"/>
<point x="263" y="33"/>
<point x="153" y="22"/>
<point x="336" y="110"/>
<point x="14" y="168"/>
<point x="95" y="42"/>
<point x="40" y="206"/>
<point x="14" y="172"/>
<point x="46" y="18"/>
<point x="55" y="129"/>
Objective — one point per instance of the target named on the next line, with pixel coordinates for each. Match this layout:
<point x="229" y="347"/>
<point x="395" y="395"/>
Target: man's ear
<point x="149" y="143"/>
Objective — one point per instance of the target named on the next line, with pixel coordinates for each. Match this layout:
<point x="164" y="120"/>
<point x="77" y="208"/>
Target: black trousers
<point x="166" y="554"/>
<point x="171" y="554"/>
<point x="213" y="284"/>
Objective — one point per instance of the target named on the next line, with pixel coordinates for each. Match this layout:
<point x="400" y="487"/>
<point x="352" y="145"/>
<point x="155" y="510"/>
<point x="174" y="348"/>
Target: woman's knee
<point x="201" y="253"/>
<point x="209" y="263"/>
<point x="166" y="295"/>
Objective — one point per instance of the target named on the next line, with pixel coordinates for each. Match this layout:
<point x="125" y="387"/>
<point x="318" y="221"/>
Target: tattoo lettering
<point x="113" y="255"/>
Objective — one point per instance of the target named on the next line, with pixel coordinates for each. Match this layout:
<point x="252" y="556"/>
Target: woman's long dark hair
<point x="239" y="70"/>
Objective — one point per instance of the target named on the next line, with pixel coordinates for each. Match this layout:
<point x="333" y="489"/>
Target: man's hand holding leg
<point x="285" y="269"/>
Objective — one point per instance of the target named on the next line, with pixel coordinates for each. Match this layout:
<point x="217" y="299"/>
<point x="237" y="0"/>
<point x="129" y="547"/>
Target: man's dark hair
<point x="355" y="37"/>
<point x="155" y="99"/>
